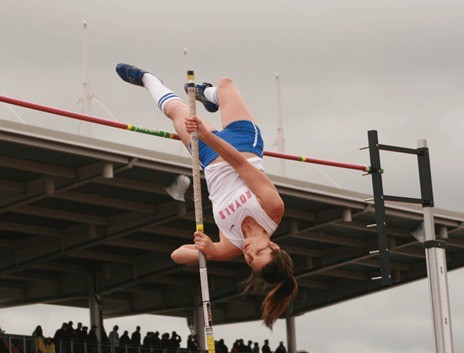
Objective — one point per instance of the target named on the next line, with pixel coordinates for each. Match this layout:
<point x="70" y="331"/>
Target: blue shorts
<point x="242" y="134"/>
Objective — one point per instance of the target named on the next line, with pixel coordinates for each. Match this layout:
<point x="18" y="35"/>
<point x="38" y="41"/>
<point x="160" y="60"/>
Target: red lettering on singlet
<point x="236" y="204"/>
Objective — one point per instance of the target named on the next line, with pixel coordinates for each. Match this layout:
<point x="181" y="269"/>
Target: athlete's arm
<point x="214" y="251"/>
<point x="185" y="255"/>
<point x="255" y="179"/>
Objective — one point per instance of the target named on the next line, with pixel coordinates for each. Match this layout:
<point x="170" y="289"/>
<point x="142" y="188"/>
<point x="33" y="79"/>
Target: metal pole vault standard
<point x="170" y="135"/>
<point x="434" y="249"/>
<point x="436" y="258"/>
<point x="208" y="321"/>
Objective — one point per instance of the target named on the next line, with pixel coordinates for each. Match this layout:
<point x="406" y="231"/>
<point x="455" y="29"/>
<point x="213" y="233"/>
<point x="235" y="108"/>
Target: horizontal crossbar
<point x="169" y="135"/>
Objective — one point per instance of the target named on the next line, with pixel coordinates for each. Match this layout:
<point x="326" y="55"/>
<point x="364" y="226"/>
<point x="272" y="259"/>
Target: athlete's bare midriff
<point x="245" y="154"/>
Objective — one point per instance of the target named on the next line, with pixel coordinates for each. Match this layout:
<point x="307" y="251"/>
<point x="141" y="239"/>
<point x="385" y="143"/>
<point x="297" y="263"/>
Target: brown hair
<point x="278" y="272"/>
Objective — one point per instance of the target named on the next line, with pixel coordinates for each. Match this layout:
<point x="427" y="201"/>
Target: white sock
<point x="210" y="94"/>
<point x="159" y="92"/>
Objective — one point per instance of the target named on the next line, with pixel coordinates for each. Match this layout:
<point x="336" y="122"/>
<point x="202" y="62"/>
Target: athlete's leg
<point x="171" y="105"/>
<point x="231" y="103"/>
<point x="167" y="101"/>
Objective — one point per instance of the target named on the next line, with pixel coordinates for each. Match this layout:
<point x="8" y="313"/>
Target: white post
<point x="438" y="281"/>
<point x="85" y="128"/>
<point x="280" y="129"/>
<point x="186" y="63"/>
<point x="291" y="334"/>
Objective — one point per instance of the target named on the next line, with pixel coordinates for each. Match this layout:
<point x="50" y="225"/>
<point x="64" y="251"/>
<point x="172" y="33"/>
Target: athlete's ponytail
<point x="279" y="271"/>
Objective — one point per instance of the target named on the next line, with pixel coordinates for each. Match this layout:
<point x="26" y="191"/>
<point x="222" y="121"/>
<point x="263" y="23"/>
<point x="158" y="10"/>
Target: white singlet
<point x="233" y="201"/>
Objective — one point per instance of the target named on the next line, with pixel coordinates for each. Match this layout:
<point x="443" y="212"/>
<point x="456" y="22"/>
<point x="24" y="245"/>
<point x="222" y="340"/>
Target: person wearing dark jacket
<point x="265" y="348"/>
<point x="281" y="348"/>
<point x="174" y="341"/>
<point x="124" y="340"/>
<point x="3" y="348"/>
<point x="136" y="337"/>
<point x="192" y="344"/>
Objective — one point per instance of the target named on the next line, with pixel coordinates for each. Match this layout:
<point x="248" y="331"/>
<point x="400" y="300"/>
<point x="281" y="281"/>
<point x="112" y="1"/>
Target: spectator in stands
<point x="11" y="345"/>
<point x="256" y="348"/>
<point x="281" y="348"/>
<point x="265" y="348"/>
<point x="92" y="339"/>
<point x="49" y="345"/>
<point x="249" y="347"/>
<point x="62" y="339"/>
<point x="3" y="348"/>
<point x="92" y="336"/>
<point x="114" y="338"/>
<point x="165" y="340"/>
<point x="36" y="336"/>
<point x="174" y="341"/>
<point x="241" y="346"/>
<point x="135" y="337"/>
<point x="79" y="339"/>
<point x="7" y="345"/>
<point x="85" y="336"/>
<point x="148" y="339"/>
<point x="221" y="347"/>
<point x="125" y="339"/>
<point x="192" y="344"/>
<point x="71" y="331"/>
<point x="78" y="329"/>
<point x="235" y="347"/>
<point x="156" y="340"/>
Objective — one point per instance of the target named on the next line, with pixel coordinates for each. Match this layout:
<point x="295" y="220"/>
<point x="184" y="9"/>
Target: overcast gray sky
<point x="345" y="67"/>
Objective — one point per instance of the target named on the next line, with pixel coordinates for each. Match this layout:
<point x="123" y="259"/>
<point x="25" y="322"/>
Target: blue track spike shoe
<point x="130" y="74"/>
<point x="200" y="96"/>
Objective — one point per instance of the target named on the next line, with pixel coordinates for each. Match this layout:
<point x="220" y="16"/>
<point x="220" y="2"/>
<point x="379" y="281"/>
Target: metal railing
<point x="28" y="344"/>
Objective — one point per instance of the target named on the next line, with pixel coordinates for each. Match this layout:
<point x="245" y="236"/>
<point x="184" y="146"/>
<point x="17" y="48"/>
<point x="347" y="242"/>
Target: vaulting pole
<point x="170" y="135"/>
<point x="208" y="321"/>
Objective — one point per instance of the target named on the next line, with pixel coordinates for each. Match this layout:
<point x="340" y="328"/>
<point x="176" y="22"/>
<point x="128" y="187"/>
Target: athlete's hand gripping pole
<point x="209" y="338"/>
